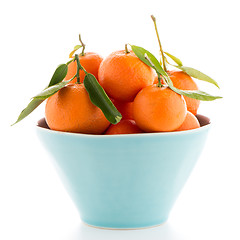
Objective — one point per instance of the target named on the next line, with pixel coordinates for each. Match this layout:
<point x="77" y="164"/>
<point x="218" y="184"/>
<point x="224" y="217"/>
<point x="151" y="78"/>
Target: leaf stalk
<point x="78" y="67"/>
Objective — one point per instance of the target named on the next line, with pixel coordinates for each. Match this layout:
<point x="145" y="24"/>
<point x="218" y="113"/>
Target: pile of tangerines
<point x="132" y="87"/>
<point x="140" y="94"/>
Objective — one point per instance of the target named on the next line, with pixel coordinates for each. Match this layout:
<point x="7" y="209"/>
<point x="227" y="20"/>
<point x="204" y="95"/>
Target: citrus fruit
<point x="70" y="110"/>
<point x="125" y="108"/>
<point x="183" y="81"/>
<point x="90" y="61"/>
<point x="157" y="109"/>
<point x="190" y="122"/>
<point x="125" y="126"/>
<point x="122" y="74"/>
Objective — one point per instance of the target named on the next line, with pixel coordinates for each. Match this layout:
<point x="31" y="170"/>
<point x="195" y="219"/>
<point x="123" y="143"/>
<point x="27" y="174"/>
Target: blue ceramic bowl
<point x="124" y="181"/>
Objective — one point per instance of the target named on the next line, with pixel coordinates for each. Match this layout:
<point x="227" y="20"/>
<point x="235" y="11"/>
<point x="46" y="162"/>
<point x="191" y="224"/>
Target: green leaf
<point x="196" y="94"/>
<point x="38" y="99"/>
<point x="175" y="59"/>
<point x="49" y="91"/>
<point x="77" y="47"/>
<point x="74" y="50"/>
<point x="26" y="111"/>
<point x="191" y="71"/>
<point x="144" y="55"/>
<point x="59" y="74"/>
<point x="54" y="85"/>
<point x="197" y="74"/>
<point x="99" y="98"/>
<point x="141" y="54"/>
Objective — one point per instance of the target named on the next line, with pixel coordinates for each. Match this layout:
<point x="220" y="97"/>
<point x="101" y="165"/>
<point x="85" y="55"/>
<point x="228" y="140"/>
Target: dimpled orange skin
<point x="90" y="61"/>
<point x="190" y="122"/>
<point x="182" y="80"/>
<point x="159" y="109"/>
<point x="125" y="126"/>
<point x="70" y="110"/>
<point x="123" y="75"/>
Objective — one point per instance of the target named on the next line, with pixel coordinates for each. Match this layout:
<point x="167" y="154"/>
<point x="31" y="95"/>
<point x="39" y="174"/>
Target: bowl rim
<point x="172" y="133"/>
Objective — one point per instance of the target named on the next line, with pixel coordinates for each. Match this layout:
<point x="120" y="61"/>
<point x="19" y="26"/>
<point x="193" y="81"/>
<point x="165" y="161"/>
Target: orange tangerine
<point x="71" y="110"/>
<point x="158" y="109"/>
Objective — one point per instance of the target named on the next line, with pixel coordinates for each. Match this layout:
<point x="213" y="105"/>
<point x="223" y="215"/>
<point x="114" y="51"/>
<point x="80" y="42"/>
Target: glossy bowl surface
<point x="124" y="181"/>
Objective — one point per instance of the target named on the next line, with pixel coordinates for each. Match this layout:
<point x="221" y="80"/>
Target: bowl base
<point x="125" y="228"/>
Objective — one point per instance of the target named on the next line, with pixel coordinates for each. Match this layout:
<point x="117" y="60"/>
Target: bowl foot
<point x="125" y="228"/>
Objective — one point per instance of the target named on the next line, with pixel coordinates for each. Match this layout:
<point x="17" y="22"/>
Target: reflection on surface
<point x="164" y="232"/>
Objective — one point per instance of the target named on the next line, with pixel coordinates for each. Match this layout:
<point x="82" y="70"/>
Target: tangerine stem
<point x="159" y="81"/>
<point x="78" y="67"/>
<point x="159" y="42"/>
<point x="159" y="76"/>
<point x="83" y="45"/>
<point x="126" y="49"/>
<point x="70" y="61"/>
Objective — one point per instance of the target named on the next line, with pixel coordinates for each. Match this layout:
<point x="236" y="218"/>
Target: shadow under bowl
<point x="124" y="181"/>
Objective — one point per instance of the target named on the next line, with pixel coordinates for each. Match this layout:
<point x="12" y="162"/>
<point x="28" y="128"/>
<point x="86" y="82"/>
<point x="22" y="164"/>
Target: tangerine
<point x="90" y="61"/>
<point x="125" y="126"/>
<point x="125" y="108"/>
<point x="71" y="110"/>
<point x="122" y="74"/>
<point x="159" y="109"/>
<point x="183" y="81"/>
<point x="190" y="122"/>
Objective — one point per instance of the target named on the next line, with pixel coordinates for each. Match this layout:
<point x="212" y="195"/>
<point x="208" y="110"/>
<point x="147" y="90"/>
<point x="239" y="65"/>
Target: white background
<point x="36" y="36"/>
